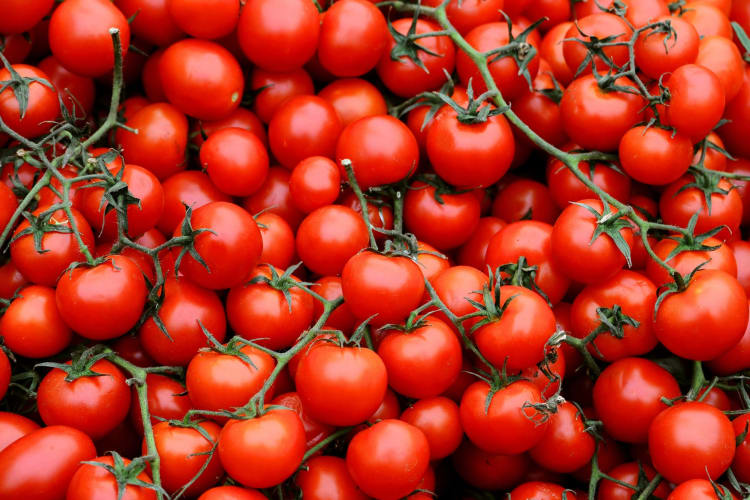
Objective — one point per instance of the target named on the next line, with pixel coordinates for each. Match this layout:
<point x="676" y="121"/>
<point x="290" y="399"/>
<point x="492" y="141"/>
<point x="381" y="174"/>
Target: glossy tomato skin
<point x="522" y="198"/>
<point x="354" y="98"/>
<point x="734" y="360"/>
<point x="263" y="451"/>
<point x="104" y="301"/>
<point x="685" y="262"/>
<point x="474" y="252"/>
<point x="93" y="482"/>
<point x="194" y="189"/>
<point x="506" y="427"/>
<point x="541" y="490"/>
<point x="274" y="88"/>
<point x="278" y="240"/>
<point x="721" y="56"/>
<point x="329" y="237"/>
<point x="153" y="23"/>
<point x="160" y="143"/>
<point x="32" y="326"/>
<point x="236" y="161"/>
<point x="43" y="462"/>
<point x="439" y="419"/>
<point x="627" y="397"/>
<point x="231" y="493"/>
<point x="341" y="385"/>
<point x="167" y="399"/>
<point x="80" y="39"/>
<point x="655" y="156"/>
<point x="184" y="306"/>
<point x="327" y="477"/>
<point x="389" y="459"/>
<point x="240" y="118"/>
<point x="738" y="111"/>
<point x="696" y="100"/>
<point x="706" y="319"/>
<point x="20" y="16"/>
<point x="201" y="78"/>
<point x="597" y="25"/>
<point x="565" y="187"/>
<point x="42" y="105"/>
<point x="576" y="255"/>
<point x="690" y="440"/>
<point x="566" y="446"/>
<point x="629" y="473"/>
<point x="353" y="37"/>
<point x="389" y="287"/>
<point x="636" y="295"/>
<point x="77" y="91"/>
<point x="231" y="250"/>
<point x="213" y="19"/>
<point x="315" y="431"/>
<point x="278" y="35"/>
<point x="656" y="55"/>
<point x="13" y="427"/>
<point x="699" y="489"/>
<point x="489" y="471"/>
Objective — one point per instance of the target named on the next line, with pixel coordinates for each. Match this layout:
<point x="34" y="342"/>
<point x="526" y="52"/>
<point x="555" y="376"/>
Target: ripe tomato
<point x="565" y="446"/>
<point x="464" y="16"/>
<point x="94" y="482"/>
<point x="202" y="19"/>
<point x="92" y="404"/>
<point x="167" y="399"/>
<point x="278" y="35"/>
<point x="160" y="143"/>
<point x="489" y="471"/>
<point x="576" y="255"/>
<point x="327" y="477"/>
<point x="353" y="37"/>
<point x="201" y="78"/>
<point x="315" y="431"/>
<point x="182" y="455"/>
<point x="734" y="360"/>
<point x="341" y="385"/>
<point x="627" y="397"/>
<point x="43" y="462"/>
<point x="525" y="198"/>
<point x="273" y="89"/>
<point x="638" y="12"/>
<point x="104" y="301"/>
<point x="565" y="187"/>
<point x="278" y="240"/>
<point x="240" y="117"/>
<point x="700" y="489"/>
<point x="541" y="490"/>
<point x="341" y="318"/>
<point x="691" y="440"/>
<point x="474" y="252"/>
<point x="597" y="26"/>
<point x="721" y="56"/>
<point x="191" y="188"/>
<point x="315" y="183"/>
<point x="329" y="237"/>
<point x="354" y="98"/>
<point x="456" y="286"/>
<point x="629" y="473"/>
<point x="387" y="287"/>
<point x="236" y="161"/>
<point x="505" y="70"/>
<point x="79" y="36"/>
<point x="658" y="52"/>
<point x="263" y="451"/>
<point x="153" y="23"/>
<point x="685" y="262"/>
<point x="5" y="372"/>
<point x="738" y="111"/>
<point x="42" y="106"/>
<point x="614" y="113"/>
<point x="230" y="250"/>
<point x="504" y="425"/>
<point x="13" y="427"/>
<point x="439" y="419"/>
<point x="381" y="148"/>
<point x="655" y="155"/>
<point x="696" y="101"/>
<point x="556" y="11"/>
<point x="22" y="15"/>
<point x="231" y="493"/>
<point x="76" y="91"/>
<point x="389" y="459"/>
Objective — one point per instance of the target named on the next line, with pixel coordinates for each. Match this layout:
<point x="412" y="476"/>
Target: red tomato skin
<point x="93" y="482"/>
<point x="278" y="240"/>
<point x="656" y="55"/>
<point x="192" y="188"/>
<point x="273" y="89"/>
<point x="597" y="25"/>
<point x="524" y="197"/>
<point x="263" y="451"/>
<point x="221" y="17"/>
<point x="240" y="118"/>
<point x="655" y="156"/>
<point x="566" y="446"/>
<point x="315" y="431"/>
<point x="13" y="427"/>
<point x="474" y="252"/>
<point x="42" y="105"/>
<point x="685" y="262"/>
<point x="439" y="419"/>
<point x="77" y="91"/>
<point x="153" y="23"/>
<point x="166" y="397"/>
<point x="539" y="490"/>
<point x="629" y="473"/>
<point x="236" y="161"/>
<point x="734" y="360"/>
<point x="354" y="98"/>
<point x="738" y="111"/>
<point x="696" y="101"/>
<point x="470" y="14"/>
<point x="741" y="461"/>
<point x="326" y="478"/>
<point x="699" y="489"/>
<point x="231" y="493"/>
<point x="689" y="440"/>
<point x="20" y="15"/>
<point x="41" y="464"/>
<point x="722" y="57"/>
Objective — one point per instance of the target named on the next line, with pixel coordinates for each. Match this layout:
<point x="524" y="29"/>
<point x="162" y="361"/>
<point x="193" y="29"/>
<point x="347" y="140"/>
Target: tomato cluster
<point x="347" y="249"/>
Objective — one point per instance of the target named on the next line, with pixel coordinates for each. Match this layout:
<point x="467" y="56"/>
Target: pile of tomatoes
<point x="343" y="249"/>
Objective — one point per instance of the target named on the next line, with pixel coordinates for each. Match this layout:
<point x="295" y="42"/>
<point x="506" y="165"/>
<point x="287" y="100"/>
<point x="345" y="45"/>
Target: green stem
<point x="347" y="164"/>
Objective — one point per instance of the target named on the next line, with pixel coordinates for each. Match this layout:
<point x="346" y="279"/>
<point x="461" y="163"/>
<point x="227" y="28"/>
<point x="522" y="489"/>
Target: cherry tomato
<point x="76" y="91"/>
<point x="236" y="161"/>
<point x="153" y="23"/>
<point x="597" y="26"/>
<point x="13" y="427"/>
<point x="658" y="52"/>
<point x="566" y="444"/>
<point x="696" y="100"/>
<point x="525" y="198"/>
<point x="167" y="399"/>
<point x="42" y="107"/>
<point x="273" y="89"/>
<point x="329" y="237"/>
<point x="655" y="155"/>
<point x="353" y="98"/>
<point x="94" y="482"/>
<point x="202" y="19"/>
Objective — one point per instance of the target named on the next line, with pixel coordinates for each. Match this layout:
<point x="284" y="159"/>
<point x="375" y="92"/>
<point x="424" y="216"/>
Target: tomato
<point x="43" y="462"/>
<point x="444" y="224"/>
<point x="353" y="98"/>
<point x="504" y="424"/>
<point x="42" y="107"/>
<point x="629" y="473"/>
<point x="576" y="255"/>
<point x="92" y="404"/>
<point x="700" y="489"/>
<point x="5" y="372"/>
<point x="13" y="427"/>
<point x="505" y="70"/>
<point x="315" y="431"/>
<point x="685" y="262"/>
<point x="160" y="143"/>
<point x="201" y="19"/>
<point x="465" y="16"/>
<point x="153" y="23"/>
<point x="540" y="490"/>
<point x="341" y="385"/>
<point x="597" y="26"/>
<point x="565" y="187"/>
<point x="353" y="37"/>
<point x="556" y="11"/>
<point x="403" y="76"/>
<point x="341" y="318"/>
<point x="191" y="188"/>
<point x="522" y="198"/>
<point x="738" y="111"/>
<point x="167" y="399"/>
<point x="691" y="440"/>
<point x="679" y="203"/>
<point x="303" y="126"/>
<point x="655" y="156"/>
<point x="273" y="89"/>
<point x="76" y="91"/>
<point x="489" y="471"/>
<point x="741" y="462"/>
<point x="456" y="286"/>
<point x="438" y="418"/>
<point x="741" y="250"/>
<point x="11" y="279"/>
<point x="707" y="20"/>
<point x="327" y="477"/>
<point x="614" y="113"/>
<point x="389" y="459"/>
<point x="721" y="56"/>
<point x="236" y="161"/>
<point x="182" y="455"/>
<point x="240" y="118"/>
<point x="79" y="36"/>
<point x="627" y="397"/>
<point x="329" y="237"/>
<point x="474" y="252"/>
<point x="716" y="322"/>
<point x="696" y="100"/>
<point x="315" y="182"/>
<point x="488" y="147"/>
<point x="734" y="360"/>
<point x="184" y="306"/>
<point x="566" y="446"/>
<point x="231" y="493"/>
<point x="230" y="250"/>
<point x="21" y="15"/>
<point x="274" y="196"/>
<point x="638" y="12"/>
<point x="32" y="326"/>
<point x="94" y="482"/>
<point x="278" y="240"/>
<point x="201" y="79"/>
<point x="262" y="451"/>
<point x="657" y="52"/>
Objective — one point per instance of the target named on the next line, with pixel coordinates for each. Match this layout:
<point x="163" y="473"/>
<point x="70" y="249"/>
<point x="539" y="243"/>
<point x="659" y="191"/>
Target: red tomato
<point x="627" y="397"/>
<point x="327" y="477"/>
<point x="700" y="489"/>
<point x="542" y="491"/>
<point x="42" y="107"/>
<point x="353" y="98"/>
<point x="738" y="111"/>
<point x="685" y="262"/>
<point x="240" y="117"/>
<point x="489" y="471"/>
<point x="696" y="101"/>
<point x="5" y="372"/>
<point x="273" y="89"/>
<point x="659" y="52"/>
<point x="552" y="50"/>
<point x="22" y="15"/>
<point x="439" y="419"/>
<point x="629" y="473"/>
<point x="734" y="360"/>
<point x="10" y="279"/>
<point x="353" y="37"/>
<point x="597" y="26"/>
<point x="202" y="19"/>
<point x="43" y="462"/>
<point x="566" y="445"/>
<point x="474" y="252"/>
<point x="13" y="427"/>
<point x="315" y="183"/>
<point x="278" y="240"/>
<point x="315" y="431"/>
<point x="341" y="318"/>
<point x="469" y="14"/>
<point x="79" y="36"/>
<point x="236" y="161"/>
<point x="201" y="78"/>
<point x="525" y="198"/>
<point x="263" y="451"/>
<point x="329" y="237"/>
<point x="32" y="325"/>
<point x="94" y="482"/>
<point x="565" y="187"/>
<point x="389" y="459"/>
<point x="691" y="440"/>
<point x="191" y="188"/>
<point x="153" y="22"/>
<point x="231" y="493"/>
<point x="721" y="56"/>
<point x="167" y="399"/>
<point x="655" y="155"/>
<point x="76" y="91"/>
<point x="638" y="12"/>
<point x="341" y="385"/>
